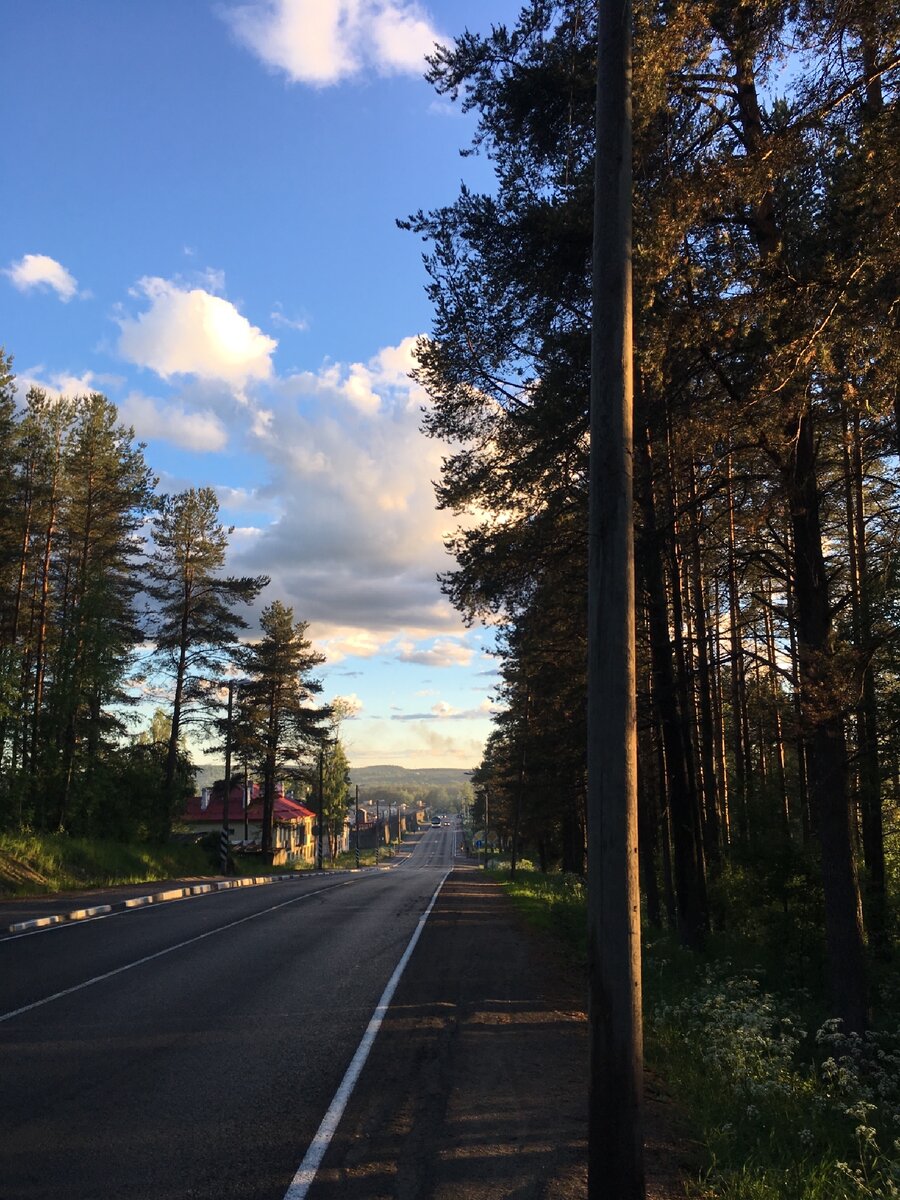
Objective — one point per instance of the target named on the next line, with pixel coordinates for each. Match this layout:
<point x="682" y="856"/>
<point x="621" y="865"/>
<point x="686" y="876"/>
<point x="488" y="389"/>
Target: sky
<point x="198" y="219"/>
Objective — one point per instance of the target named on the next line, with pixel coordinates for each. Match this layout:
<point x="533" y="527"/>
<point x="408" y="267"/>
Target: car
<point x="447" y="823"/>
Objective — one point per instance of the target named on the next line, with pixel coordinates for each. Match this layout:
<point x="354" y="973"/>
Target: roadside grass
<point x="786" y="1105"/>
<point x="35" y="864"/>
<point x="554" y="903"/>
<point x="248" y="864"/>
<point x="346" y="861"/>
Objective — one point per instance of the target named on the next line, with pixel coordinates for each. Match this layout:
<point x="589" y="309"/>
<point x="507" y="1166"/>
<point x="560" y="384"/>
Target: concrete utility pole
<point x="321" y="809"/>
<point x="615" y="1133"/>
<point x="357" y="826"/>
<point x="486" y="825"/>
<point x="226" y="830"/>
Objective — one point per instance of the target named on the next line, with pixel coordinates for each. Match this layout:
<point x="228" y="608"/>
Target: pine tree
<point x="279" y="694"/>
<point x="195" y="624"/>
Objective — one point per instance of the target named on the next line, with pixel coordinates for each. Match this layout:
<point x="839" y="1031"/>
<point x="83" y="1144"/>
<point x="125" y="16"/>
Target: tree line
<point x="765" y="456"/>
<point x="103" y="581"/>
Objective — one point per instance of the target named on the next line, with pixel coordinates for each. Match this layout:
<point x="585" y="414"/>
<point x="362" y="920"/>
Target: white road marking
<point x="17" y="1012"/>
<point x="306" y="1172"/>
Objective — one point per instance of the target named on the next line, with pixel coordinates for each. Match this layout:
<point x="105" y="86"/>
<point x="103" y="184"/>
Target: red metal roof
<point x="284" y="810"/>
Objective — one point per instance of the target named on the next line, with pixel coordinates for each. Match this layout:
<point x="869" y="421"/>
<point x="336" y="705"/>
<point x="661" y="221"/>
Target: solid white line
<point x="306" y="1172"/>
<point x="17" y="1012"/>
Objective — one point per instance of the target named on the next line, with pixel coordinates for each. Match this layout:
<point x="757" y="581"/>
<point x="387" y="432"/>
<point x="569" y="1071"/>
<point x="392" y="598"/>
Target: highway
<point x="191" y="1049"/>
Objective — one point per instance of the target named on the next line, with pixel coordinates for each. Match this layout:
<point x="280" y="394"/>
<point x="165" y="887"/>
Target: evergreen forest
<point x="111" y="595"/>
<point x="765" y="457"/>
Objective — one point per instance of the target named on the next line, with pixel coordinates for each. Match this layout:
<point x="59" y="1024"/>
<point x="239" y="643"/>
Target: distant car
<point x="447" y="823"/>
<point x="435" y="822"/>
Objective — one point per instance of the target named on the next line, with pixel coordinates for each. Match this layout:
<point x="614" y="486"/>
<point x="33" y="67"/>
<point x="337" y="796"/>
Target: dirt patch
<point x="15" y="874"/>
<point x="476" y="1087"/>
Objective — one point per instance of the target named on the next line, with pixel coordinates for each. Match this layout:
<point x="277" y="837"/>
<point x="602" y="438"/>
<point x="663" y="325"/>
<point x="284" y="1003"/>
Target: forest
<point x="765" y="457"/>
<point x="111" y="594"/>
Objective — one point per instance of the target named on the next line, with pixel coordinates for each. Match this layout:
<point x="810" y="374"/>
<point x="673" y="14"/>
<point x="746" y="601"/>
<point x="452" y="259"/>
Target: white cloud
<point x="442" y="711"/>
<point x="337" y="645"/>
<point x="350" y="706"/>
<point x="277" y="317"/>
<point x="341" y="508"/>
<point x="445" y="652"/>
<point x="193" y="332"/>
<point x="200" y="431"/>
<point x="63" y="383"/>
<point x="42" y="271"/>
<point x="403" y="36"/>
<point x="321" y="42"/>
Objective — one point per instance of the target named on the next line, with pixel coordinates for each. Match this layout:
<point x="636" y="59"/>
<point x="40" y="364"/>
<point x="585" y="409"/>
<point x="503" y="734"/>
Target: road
<point x="191" y="1049"/>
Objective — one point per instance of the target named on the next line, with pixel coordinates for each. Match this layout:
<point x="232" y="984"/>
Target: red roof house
<point x="292" y="823"/>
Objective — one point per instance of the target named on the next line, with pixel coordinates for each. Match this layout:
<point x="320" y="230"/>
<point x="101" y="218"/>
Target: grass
<point x="787" y="1107"/>
<point x="554" y="903"/>
<point x="36" y="864"/>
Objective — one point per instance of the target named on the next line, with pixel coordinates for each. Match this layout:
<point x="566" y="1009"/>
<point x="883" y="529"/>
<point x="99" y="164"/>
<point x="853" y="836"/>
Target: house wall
<point x="294" y="840"/>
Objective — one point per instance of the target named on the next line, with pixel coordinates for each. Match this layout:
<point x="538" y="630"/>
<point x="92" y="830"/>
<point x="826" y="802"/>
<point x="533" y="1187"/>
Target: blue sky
<point x="198" y="220"/>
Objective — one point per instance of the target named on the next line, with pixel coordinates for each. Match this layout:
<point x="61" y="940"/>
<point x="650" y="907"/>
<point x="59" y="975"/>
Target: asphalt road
<point x="191" y="1049"/>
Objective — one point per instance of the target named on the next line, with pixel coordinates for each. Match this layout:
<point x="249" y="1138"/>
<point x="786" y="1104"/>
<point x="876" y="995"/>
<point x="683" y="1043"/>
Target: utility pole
<point x="321" y="809"/>
<point x="226" y="831"/>
<point x="486" y="826"/>
<point x="615" y="1134"/>
<point x="356" y="825"/>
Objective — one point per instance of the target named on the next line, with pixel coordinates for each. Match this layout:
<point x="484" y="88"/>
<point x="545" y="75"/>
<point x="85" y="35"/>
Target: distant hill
<point x="389" y="776"/>
<point x="205" y="774"/>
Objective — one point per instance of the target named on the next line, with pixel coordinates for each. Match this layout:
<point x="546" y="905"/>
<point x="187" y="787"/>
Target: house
<point x="292" y="823"/>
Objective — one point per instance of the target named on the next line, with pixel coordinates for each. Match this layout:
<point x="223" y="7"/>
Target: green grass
<point x="35" y="864"/>
<point x="554" y="903"/>
<point x="786" y="1107"/>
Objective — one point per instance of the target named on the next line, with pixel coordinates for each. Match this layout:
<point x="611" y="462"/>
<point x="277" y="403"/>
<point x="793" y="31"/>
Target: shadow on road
<point x="476" y="1085"/>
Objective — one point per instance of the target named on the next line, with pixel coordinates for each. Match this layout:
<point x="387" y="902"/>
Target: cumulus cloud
<point x="64" y="383"/>
<point x="191" y="331"/>
<point x="199" y="431"/>
<point x="445" y="652"/>
<point x="321" y="42"/>
<point x="42" y="271"/>
<point x="351" y="643"/>
<point x="442" y="711"/>
<point x="349" y="707"/>
<point x="359" y="543"/>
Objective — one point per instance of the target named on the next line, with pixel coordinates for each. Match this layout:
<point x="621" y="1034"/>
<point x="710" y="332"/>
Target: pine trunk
<point x="821" y="709"/>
